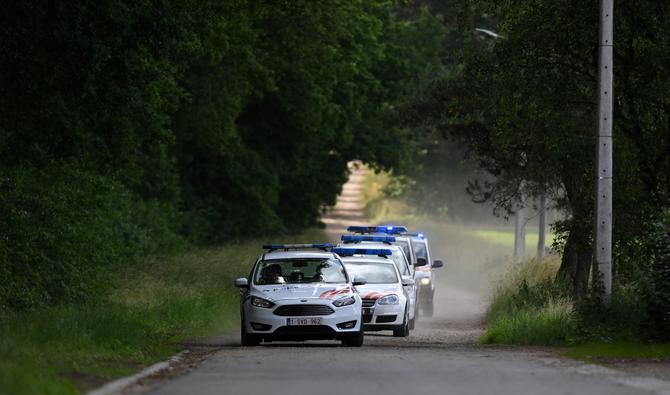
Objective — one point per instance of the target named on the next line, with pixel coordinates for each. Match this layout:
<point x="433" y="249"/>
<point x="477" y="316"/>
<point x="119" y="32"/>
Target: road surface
<point x="440" y="357"/>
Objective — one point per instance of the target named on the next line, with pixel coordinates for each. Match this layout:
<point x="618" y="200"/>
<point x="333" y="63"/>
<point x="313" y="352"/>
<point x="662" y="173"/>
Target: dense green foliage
<point x="133" y="127"/>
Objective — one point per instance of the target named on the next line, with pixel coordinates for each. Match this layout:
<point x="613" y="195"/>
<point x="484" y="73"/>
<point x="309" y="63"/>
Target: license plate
<point x="303" y="321"/>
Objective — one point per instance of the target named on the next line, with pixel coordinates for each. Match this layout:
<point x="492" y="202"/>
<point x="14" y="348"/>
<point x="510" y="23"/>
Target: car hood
<point x="376" y="291"/>
<point x="303" y="291"/>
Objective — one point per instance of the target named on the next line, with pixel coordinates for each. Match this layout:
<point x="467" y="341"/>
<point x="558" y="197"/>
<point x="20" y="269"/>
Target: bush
<point x="550" y="324"/>
<point x="622" y="319"/>
<point x="658" y="292"/>
<point x="60" y="227"/>
<point x="530" y="307"/>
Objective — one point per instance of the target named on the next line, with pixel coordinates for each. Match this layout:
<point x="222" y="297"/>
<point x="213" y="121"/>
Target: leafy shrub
<point x="60" y="227"/>
<point x="658" y="291"/>
<point x="552" y="323"/>
<point x="530" y="307"/>
<point x="622" y="319"/>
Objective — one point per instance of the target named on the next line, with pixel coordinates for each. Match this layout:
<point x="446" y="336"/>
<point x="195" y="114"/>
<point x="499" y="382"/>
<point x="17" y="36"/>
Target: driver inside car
<point x="272" y="275"/>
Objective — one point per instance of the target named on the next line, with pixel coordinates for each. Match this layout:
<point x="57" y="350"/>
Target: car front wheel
<point x="403" y="330"/>
<point x="247" y="339"/>
<point x="354" y="340"/>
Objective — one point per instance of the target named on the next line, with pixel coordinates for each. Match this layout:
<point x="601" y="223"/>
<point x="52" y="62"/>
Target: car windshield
<point x="400" y="262"/>
<point x="420" y="249"/>
<point x="300" y="271"/>
<point x="404" y="244"/>
<point x="374" y="273"/>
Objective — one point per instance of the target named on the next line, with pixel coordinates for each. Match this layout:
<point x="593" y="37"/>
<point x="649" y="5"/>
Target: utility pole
<point x="603" y="225"/>
<point x="520" y="233"/>
<point x="541" y="234"/>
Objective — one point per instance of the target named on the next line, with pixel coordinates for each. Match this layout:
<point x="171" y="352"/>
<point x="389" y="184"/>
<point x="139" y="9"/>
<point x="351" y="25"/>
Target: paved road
<point x="440" y="357"/>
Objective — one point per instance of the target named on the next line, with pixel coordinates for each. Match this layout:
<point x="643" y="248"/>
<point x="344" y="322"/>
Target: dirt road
<point x="440" y="357"/>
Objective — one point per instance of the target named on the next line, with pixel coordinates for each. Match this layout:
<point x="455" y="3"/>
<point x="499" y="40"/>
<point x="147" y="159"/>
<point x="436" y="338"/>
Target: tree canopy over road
<point x="130" y="127"/>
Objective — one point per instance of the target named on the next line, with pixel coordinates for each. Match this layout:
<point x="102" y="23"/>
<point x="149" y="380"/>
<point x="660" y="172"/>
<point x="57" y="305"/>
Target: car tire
<point x="354" y="340"/>
<point x="247" y="339"/>
<point x="403" y="330"/>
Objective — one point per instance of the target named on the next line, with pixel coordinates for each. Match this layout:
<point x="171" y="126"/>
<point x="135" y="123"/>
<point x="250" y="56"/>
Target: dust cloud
<point x="472" y="265"/>
<point x="472" y="268"/>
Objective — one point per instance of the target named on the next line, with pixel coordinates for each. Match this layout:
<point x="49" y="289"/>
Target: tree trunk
<point x="541" y="234"/>
<point x="520" y="233"/>
<point x="576" y="262"/>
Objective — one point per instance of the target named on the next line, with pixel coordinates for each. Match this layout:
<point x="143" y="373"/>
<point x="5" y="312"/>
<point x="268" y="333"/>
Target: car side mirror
<point x="407" y="280"/>
<point x="359" y="280"/>
<point x="242" y="282"/>
<point x="421" y="262"/>
<point x="437" y="263"/>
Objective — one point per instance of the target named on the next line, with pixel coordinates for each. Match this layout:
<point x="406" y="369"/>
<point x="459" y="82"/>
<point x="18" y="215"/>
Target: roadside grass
<point x="551" y="324"/>
<point x="147" y="312"/>
<point x="603" y="351"/>
<point x="529" y="308"/>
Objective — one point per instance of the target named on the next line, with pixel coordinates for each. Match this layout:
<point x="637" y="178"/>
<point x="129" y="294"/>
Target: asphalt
<point x="441" y="356"/>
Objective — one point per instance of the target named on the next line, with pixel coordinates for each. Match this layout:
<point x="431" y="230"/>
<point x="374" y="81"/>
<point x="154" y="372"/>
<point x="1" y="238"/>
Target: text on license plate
<point x="303" y="321"/>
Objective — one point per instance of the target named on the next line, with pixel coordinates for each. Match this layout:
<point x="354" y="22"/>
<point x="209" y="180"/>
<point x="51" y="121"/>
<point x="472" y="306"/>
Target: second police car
<point x="386" y="303"/>
<point x="398" y="258"/>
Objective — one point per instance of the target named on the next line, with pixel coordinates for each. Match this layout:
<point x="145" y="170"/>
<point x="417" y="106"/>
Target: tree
<point x="524" y="107"/>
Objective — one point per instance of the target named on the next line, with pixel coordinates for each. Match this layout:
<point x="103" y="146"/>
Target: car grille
<point x="386" y="318"/>
<point x="367" y="319"/>
<point x="303" y="310"/>
<point x="369" y="302"/>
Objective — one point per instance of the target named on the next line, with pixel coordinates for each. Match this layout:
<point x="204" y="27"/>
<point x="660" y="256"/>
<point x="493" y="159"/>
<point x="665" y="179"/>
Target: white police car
<point x="424" y="276"/>
<point x="295" y="294"/>
<point x="391" y="230"/>
<point x="385" y="299"/>
<point x="381" y="240"/>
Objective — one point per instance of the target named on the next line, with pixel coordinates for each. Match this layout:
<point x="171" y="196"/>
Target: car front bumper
<point x="383" y="317"/>
<point x="268" y="325"/>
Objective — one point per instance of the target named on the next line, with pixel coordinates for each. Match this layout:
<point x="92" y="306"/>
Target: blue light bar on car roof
<point x="274" y="247"/>
<point x="389" y="229"/>
<point x="361" y="251"/>
<point x="359" y="238"/>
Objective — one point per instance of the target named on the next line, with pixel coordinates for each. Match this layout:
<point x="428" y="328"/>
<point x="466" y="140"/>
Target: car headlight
<point x="425" y="281"/>
<point x="389" y="299"/>
<point x="260" y="302"/>
<point x="346" y="301"/>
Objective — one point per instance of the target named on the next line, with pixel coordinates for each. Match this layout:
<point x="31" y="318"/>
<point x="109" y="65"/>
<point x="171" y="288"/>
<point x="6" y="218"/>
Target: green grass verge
<point x="551" y="324"/>
<point x="148" y="311"/>
<point x="528" y="307"/>
<point x="601" y="351"/>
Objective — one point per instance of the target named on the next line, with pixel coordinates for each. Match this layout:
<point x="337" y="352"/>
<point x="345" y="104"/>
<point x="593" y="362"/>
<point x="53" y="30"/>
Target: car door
<point x="410" y="289"/>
